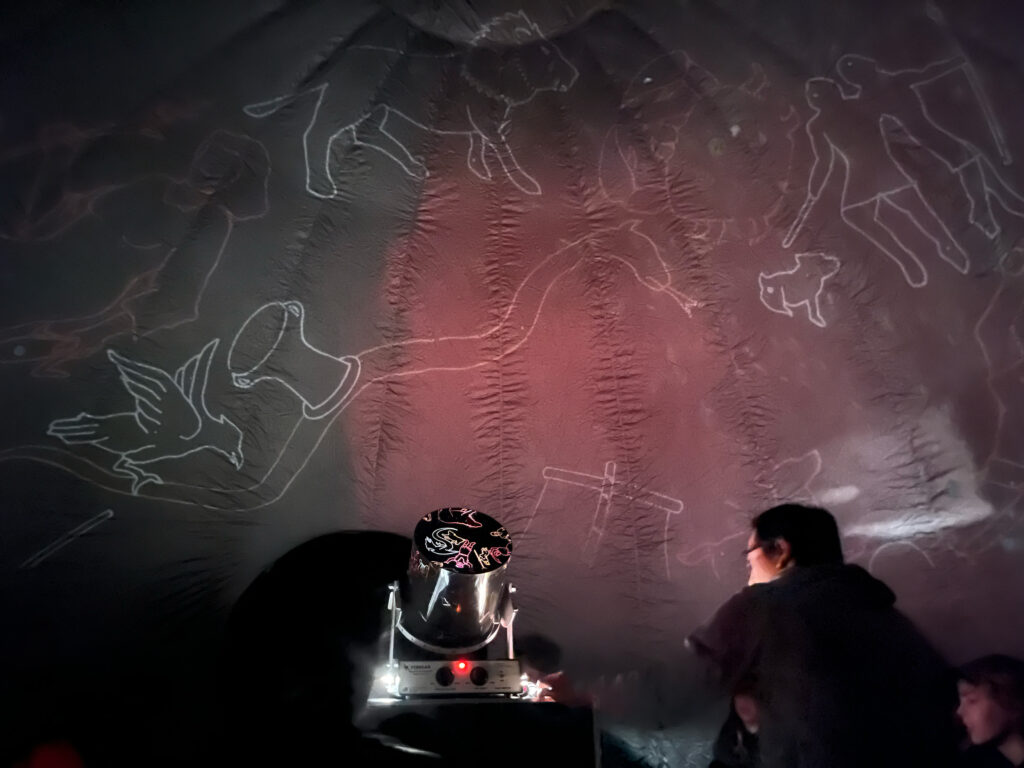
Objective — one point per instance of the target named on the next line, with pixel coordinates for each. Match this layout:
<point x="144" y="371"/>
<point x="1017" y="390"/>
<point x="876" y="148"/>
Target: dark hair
<point x="811" y="532"/>
<point x="1003" y="676"/>
<point x="541" y="652"/>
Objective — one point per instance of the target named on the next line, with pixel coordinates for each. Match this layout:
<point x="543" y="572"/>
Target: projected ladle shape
<point x="272" y="346"/>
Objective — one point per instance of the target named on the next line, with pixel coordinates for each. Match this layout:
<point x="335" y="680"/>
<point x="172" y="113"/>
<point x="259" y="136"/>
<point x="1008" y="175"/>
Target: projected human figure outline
<point x="227" y="182"/>
<point x="487" y="136"/>
<point x="838" y="131"/>
<point x="897" y="93"/>
<point x="322" y="401"/>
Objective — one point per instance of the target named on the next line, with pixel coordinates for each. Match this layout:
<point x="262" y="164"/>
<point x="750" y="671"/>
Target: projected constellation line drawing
<point x="803" y="285"/>
<point x="936" y="14"/>
<point x="66" y="538"/>
<point x="227" y="182"/>
<point x="665" y="94"/>
<point x="608" y="488"/>
<point x="1002" y="469"/>
<point x="976" y="173"/>
<point x="278" y="328"/>
<point x="839" y="131"/>
<point x="903" y="543"/>
<point x="710" y="551"/>
<point x="170" y="420"/>
<point x="865" y="197"/>
<point x="57" y="148"/>
<point x="538" y="64"/>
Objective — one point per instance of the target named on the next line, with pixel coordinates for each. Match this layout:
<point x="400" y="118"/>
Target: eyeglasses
<point x="746" y="553"/>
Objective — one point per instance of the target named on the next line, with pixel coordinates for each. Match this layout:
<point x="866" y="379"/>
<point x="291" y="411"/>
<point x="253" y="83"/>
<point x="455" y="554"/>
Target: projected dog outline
<point x="814" y="270"/>
<point x="226" y="182"/>
<point x="355" y="373"/>
<point x="486" y="135"/>
<point x="607" y="488"/>
<point x="171" y="419"/>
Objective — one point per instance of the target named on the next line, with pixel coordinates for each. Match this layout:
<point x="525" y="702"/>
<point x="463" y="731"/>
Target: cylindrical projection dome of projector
<point x="457" y="581"/>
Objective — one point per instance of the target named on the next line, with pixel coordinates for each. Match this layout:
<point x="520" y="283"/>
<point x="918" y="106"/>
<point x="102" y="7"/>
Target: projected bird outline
<point x="170" y="420"/>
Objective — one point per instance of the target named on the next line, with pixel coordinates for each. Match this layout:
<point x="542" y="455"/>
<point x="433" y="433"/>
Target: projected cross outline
<point x="608" y="488"/>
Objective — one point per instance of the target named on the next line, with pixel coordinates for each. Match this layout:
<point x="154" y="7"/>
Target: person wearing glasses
<point x="842" y="678"/>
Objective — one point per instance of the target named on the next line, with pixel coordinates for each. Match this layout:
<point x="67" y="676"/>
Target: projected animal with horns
<point x="170" y="420"/>
<point x="509" y="64"/>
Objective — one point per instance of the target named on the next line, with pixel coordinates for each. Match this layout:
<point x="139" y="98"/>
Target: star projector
<point x="452" y="604"/>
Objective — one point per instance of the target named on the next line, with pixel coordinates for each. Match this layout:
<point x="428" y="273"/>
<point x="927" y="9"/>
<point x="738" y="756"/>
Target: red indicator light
<point x="461" y="666"/>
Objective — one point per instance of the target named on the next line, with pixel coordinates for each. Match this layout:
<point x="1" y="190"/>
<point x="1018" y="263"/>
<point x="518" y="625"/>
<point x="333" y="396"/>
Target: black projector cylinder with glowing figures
<point x="457" y="584"/>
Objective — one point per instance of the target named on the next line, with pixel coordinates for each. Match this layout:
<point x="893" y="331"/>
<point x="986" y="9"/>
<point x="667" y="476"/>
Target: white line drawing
<point x="804" y="469"/>
<point x="65" y="539"/>
<point x="227" y="182"/>
<point x="793" y="480"/>
<point x="272" y="344"/>
<point x="999" y="334"/>
<point x="902" y="544"/>
<point x="935" y="14"/>
<point x="784" y="291"/>
<point x="55" y="198"/>
<point x="673" y="145"/>
<point x="897" y="93"/>
<point x="710" y="551"/>
<point x="170" y="420"/>
<point x="874" y="184"/>
<point x="499" y="81"/>
<point x="608" y="489"/>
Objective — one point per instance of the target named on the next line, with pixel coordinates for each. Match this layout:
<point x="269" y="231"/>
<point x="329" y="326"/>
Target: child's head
<point x="992" y="698"/>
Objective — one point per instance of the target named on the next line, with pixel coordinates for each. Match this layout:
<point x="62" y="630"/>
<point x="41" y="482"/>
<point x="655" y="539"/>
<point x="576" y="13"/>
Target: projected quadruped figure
<point x="508" y="64"/>
<point x="801" y="286"/>
<point x="271" y="349"/>
<point x="189" y="220"/>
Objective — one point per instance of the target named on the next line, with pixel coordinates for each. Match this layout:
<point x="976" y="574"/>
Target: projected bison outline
<point x="277" y="328"/>
<point x="498" y="80"/>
